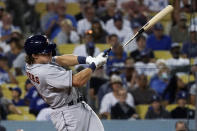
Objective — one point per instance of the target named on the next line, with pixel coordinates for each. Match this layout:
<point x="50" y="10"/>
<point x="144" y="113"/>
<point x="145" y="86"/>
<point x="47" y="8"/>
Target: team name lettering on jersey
<point x="33" y="78"/>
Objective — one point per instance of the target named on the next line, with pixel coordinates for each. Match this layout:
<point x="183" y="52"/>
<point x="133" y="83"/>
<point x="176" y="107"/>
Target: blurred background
<point x="150" y="85"/>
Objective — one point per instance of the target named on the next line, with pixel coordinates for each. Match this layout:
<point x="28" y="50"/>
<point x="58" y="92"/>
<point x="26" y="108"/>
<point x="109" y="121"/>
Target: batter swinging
<point x="57" y="86"/>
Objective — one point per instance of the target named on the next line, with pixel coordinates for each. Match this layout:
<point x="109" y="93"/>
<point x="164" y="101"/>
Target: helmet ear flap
<point x="54" y="53"/>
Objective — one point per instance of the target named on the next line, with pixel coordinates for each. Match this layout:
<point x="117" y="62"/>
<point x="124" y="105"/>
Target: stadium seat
<point x="102" y="47"/>
<point x="72" y="8"/>
<point x="21" y="81"/>
<point x="162" y="54"/>
<point x="173" y="106"/>
<point x="141" y="110"/>
<point x="24" y="117"/>
<point x="66" y="48"/>
<point x="40" y="7"/>
<point x="2" y="4"/>
<point x="6" y="91"/>
<point x="187" y="78"/>
<point x="23" y="109"/>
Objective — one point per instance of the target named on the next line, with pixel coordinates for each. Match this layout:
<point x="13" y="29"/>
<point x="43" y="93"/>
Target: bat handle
<point x="106" y="52"/>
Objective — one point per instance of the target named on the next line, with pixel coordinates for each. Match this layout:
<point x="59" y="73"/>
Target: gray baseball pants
<point x="79" y="117"/>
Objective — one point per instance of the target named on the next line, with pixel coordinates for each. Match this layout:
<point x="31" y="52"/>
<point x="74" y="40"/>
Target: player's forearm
<point x="82" y="77"/>
<point x="67" y="60"/>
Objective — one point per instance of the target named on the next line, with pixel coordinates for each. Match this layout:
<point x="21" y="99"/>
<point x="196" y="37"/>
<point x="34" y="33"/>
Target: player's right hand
<point x="90" y="59"/>
<point x="100" y="60"/>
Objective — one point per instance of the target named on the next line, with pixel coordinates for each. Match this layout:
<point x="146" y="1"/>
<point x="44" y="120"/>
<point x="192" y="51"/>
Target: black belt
<point x="78" y="101"/>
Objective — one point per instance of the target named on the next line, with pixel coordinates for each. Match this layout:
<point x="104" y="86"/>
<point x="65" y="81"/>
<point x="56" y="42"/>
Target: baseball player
<point x="58" y="87"/>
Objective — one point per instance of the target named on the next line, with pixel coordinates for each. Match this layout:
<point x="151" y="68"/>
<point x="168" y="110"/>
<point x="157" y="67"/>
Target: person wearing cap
<point x="121" y="110"/>
<point x="158" y="40"/>
<point x="88" y="48"/>
<point x="110" y="99"/>
<point x="182" y="111"/>
<point x="67" y="35"/>
<point x="179" y="32"/>
<point x="82" y="5"/>
<point x="189" y="48"/>
<point x="156" y="111"/>
<point x="119" y="26"/>
<point x="176" y="60"/>
<point x="7" y="107"/>
<point x="142" y="93"/>
<point x="5" y="75"/>
<point x="16" y="94"/>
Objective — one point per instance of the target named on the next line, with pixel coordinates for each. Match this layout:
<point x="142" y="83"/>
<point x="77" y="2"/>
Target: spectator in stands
<point x="30" y="94"/>
<point x="16" y="94"/>
<point x="99" y="34"/>
<point x="176" y="60"/>
<point x="155" y="6"/>
<point x="110" y="99"/>
<point x="7" y="107"/>
<point x="50" y="8"/>
<point x="1" y="14"/>
<point x="181" y="126"/>
<point x="37" y="104"/>
<point x="5" y="74"/>
<point x="88" y="48"/>
<point x="182" y="111"/>
<point x="17" y="50"/>
<point x="67" y="35"/>
<point x="141" y="46"/>
<point x="82" y="4"/>
<point x="156" y="111"/>
<point x="86" y="23"/>
<point x="28" y="85"/>
<point x="117" y="58"/>
<point x="146" y="65"/>
<point x="110" y="11"/>
<point x="106" y="87"/>
<point x="157" y="40"/>
<point x="192" y="90"/>
<point x="160" y="80"/>
<point x="189" y="48"/>
<point x="174" y="85"/>
<point x="142" y="93"/>
<point x="120" y="27"/>
<point x="179" y="32"/>
<point x="112" y="39"/>
<point x="100" y="7"/>
<point x="121" y="110"/>
<point x="5" y="30"/>
<point x="53" y="25"/>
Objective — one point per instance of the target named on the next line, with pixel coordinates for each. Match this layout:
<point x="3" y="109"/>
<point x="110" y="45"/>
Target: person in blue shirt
<point x="36" y="103"/>
<point x="189" y="48"/>
<point x="53" y="25"/>
<point x="160" y="81"/>
<point x="117" y="58"/>
<point x="16" y="94"/>
<point x="157" y="40"/>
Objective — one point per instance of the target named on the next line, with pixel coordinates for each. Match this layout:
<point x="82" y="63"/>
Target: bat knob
<point x="106" y="52"/>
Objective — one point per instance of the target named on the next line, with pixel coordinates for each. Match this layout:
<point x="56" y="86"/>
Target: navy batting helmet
<point x="37" y="44"/>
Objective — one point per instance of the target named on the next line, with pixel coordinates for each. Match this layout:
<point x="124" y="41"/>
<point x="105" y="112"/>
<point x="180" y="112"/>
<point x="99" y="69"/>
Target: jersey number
<point x="33" y="78"/>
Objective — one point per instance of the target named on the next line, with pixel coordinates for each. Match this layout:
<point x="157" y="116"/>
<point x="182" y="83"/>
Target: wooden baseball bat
<point x="168" y="9"/>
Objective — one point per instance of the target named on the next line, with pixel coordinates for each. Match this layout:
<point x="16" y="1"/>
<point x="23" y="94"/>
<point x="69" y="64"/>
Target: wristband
<point x="53" y="60"/>
<point x="81" y="59"/>
<point x="92" y="66"/>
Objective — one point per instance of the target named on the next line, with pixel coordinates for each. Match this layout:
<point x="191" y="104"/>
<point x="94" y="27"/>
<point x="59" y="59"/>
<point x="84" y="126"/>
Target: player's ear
<point x="35" y="56"/>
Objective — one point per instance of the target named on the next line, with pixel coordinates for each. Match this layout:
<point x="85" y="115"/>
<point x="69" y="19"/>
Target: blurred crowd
<point x="133" y="75"/>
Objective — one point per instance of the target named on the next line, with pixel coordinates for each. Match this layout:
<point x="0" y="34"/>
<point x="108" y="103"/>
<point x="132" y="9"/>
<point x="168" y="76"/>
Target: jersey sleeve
<point x="59" y="78"/>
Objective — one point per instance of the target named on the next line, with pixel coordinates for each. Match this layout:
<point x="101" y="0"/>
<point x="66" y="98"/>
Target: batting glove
<point x="100" y="60"/>
<point x="90" y="59"/>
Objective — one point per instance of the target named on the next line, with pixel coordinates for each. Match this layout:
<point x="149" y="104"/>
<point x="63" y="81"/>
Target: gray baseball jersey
<point x="54" y="84"/>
